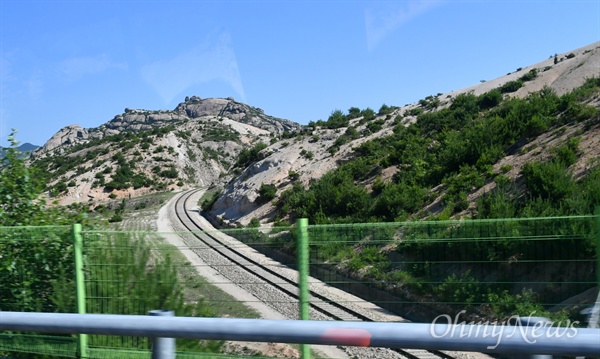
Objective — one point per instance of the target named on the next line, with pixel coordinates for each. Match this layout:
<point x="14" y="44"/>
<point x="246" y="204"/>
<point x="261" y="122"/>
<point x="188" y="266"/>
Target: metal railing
<point x="538" y="338"/>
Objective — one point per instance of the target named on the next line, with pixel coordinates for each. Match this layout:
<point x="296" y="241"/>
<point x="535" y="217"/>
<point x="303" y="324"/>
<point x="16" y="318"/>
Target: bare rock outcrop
<point x="66" y="136"/>
<point x="138" y="120"/>
<point x="195" y="107"/>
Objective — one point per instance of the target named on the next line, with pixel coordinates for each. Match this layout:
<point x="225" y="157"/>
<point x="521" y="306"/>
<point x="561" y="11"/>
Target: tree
<point x="247" y="156"/>
<point x="368" y="114"/>
<point x="384" y="110"/>
<point x="353" y="112"/>
<point x="337" y="119"/>
<point x="29" y="268"/>
<point x="19" y="190"/>
<point x="266" y="193"/>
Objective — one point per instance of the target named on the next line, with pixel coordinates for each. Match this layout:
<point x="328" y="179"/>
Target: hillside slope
<point x="305" y="158"/>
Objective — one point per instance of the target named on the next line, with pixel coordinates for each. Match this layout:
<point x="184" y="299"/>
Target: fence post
<point x="163" y="348"/>
<point x="82" y="339"/>
<point x="302" y="233"/>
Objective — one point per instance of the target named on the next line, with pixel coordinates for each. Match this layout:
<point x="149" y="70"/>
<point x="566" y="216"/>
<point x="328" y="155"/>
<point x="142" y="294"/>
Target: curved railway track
<point x="279" y="282"/>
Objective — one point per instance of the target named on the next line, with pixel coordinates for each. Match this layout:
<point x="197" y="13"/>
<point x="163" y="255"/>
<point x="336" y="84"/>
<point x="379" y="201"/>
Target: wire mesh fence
<point x="490" y="269"/>
<point x="134" y="273"/>
<point x="36" y="271"/>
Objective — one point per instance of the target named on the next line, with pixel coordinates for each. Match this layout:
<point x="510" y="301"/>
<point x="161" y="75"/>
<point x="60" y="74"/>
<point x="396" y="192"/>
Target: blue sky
<point x="84" y="61"/>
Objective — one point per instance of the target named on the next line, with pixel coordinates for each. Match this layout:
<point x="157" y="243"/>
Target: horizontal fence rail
<point x="515" y="339"/>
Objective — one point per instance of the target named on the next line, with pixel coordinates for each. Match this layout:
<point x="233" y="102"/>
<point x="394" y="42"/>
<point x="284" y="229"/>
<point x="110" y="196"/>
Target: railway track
<point x="278" y="281"/>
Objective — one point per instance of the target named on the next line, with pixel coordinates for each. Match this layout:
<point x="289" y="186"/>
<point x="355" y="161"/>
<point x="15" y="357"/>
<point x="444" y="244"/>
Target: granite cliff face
<point x="65" y="137"/>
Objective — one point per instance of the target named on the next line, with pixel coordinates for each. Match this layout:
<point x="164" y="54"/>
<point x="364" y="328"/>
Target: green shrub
<point x="353" y="112"/>
<point x="375" y="126"/>
<point x="489" y="99"/>
<point x="337" y="119"/>
<point x="208" y="199"/>
<point x="266" y="192"/>
<point x="532" y="74"/>
<point x="60" y="187"/>
<point x="463" y="289"/>
<point x="221" y="134"/>
<point x="548" y="180"/>
<point x="384" y="110"/>
<point x="169" y="173"/>
<point x="505" y="168"/>
<point x="248" y="156"/>
<point x="254" y="223"/>
<point x="293" y="175"/>
<point x="511" y="86"/>
<point x="307" y="154"/>
<point x="367" y="114"/>
<point x="499" y="203"/>
<point x="567" y="153"/>
<point x="504" y="304"/>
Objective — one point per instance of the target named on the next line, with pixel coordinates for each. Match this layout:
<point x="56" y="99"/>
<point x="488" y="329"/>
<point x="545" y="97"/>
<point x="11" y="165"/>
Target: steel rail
<point x="325" y="306"/>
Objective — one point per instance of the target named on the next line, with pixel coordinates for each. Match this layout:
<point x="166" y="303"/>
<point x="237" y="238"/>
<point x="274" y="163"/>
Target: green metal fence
<point x="491" y="269"/>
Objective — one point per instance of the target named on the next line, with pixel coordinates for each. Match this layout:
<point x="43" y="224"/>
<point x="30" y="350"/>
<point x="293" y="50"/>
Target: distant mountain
<point x="25" y="149"/>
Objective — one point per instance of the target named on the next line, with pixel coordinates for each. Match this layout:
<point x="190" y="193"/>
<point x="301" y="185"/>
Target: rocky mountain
<point x="141" y="151"/>
<point x="193" y="108"/>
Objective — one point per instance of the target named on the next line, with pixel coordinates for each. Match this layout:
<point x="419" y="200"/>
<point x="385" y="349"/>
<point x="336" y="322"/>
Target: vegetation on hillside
<point x="456" y="148"/>
<point x="120" y="157"/>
